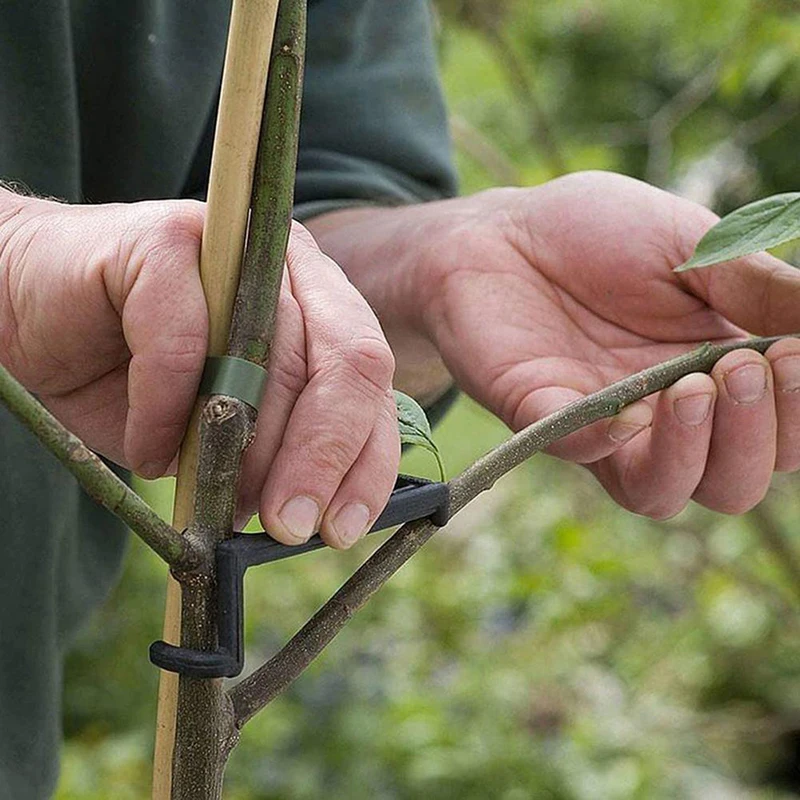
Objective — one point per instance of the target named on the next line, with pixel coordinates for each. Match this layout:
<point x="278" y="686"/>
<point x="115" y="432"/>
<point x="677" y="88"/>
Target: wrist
<point x="382" y="251"/>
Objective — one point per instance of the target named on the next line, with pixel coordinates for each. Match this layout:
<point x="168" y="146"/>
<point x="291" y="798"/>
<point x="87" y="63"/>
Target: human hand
<point x="549" y="294"/>
<point x="535" y="297"/>
<point x="102" y="315"/>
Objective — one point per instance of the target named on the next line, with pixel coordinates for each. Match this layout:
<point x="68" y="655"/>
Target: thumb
<point x="165" y="324"/>
<point x="759" y="293"/>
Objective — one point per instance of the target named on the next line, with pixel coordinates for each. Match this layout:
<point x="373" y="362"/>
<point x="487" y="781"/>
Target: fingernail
<point x="693" y="410"/>
<point x="300" y="517"/>
<point x="351" y="523"/>
<point x="747" y="384"/>
<point x="630" y="421"/>
<point x="787" y="373"/>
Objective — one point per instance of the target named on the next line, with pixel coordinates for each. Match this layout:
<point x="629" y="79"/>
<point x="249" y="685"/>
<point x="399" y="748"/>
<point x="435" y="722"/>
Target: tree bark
<point x="204" y="730"/>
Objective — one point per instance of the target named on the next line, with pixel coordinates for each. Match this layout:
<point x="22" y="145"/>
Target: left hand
<point x="535" y="297"/>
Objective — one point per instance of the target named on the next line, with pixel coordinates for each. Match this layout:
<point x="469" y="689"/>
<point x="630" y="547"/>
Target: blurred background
<point x="547" y="644"/>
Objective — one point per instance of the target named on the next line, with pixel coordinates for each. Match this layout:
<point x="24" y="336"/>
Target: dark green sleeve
<point x="374" y="127"/>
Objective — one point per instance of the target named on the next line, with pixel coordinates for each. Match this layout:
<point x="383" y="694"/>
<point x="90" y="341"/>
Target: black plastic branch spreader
<point x="412" y="499"/>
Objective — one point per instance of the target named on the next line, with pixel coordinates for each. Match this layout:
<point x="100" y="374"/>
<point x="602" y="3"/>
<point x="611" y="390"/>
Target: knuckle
<point x="370" y="361"/>
<point x="332" y="455"/>
<point x="288" y="371"/>
<point x="178" y="354"/>
<point x="181" y="220"/>
<point x="171" y="231"/>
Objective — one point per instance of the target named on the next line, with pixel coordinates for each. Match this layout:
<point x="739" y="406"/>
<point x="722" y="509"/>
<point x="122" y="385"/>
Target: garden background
<point x="547" y="644"/>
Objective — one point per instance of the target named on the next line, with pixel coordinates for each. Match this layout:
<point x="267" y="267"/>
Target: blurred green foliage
<point x="547" y="644"/>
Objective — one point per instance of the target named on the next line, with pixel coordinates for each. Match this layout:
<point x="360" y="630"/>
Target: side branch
<point x="95" y="477"/>
<point x="606" y="403"/>
<point x="267" y="682"/>
<point x="253" y="693"/>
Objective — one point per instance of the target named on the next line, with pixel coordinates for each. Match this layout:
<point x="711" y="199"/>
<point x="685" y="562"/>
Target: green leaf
<point x="750" y="229"/>
<point x="415" y="428"/>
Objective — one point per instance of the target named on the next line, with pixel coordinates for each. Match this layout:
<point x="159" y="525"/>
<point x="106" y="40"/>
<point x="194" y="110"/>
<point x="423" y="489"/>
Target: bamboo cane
<point x="241" y="104"/>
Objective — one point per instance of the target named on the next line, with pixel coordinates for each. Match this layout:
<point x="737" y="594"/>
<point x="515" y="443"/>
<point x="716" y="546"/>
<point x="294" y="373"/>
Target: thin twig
<point x="664" y="122"/>
<point x="267" y="682"/>
<point x="482" y="150"/>
<point x="539" y="123"/>
<point x="95" y="477"/>
<point x="603" y="404"/>
<point x="756" y="129"/>
<point x="271" y="679"/>
<point x="727" y="168"/>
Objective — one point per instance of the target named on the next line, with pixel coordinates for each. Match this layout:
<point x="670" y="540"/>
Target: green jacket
<point x="114" y="101"/>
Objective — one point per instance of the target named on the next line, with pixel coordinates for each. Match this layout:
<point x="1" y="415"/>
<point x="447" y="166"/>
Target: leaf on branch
<point x="415" y="428"/>
<point x="755" y="227"/>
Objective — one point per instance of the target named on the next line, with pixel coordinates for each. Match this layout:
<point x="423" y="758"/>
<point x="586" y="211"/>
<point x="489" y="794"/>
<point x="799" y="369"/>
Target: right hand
<point x="102" y="315"/>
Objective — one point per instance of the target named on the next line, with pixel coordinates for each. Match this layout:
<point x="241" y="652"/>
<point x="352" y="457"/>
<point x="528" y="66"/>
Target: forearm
<point x="374" y="246"/>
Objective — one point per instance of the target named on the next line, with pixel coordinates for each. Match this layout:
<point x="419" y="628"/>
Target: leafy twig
<point x="267" y="682"/>
<point x="415" y="428"/>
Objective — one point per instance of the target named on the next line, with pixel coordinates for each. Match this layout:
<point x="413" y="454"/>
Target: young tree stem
<point x="205" y="733"/>
<point x="204" y="729"/>
<point x="255" y="308"/>
<point x="230" y="183"/>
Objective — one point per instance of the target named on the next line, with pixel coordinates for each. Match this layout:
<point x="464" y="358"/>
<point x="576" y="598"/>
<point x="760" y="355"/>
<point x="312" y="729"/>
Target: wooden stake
<point x="238" y="123"/>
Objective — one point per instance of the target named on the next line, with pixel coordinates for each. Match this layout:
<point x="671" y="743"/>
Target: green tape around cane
<point x="234" y="377"/>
